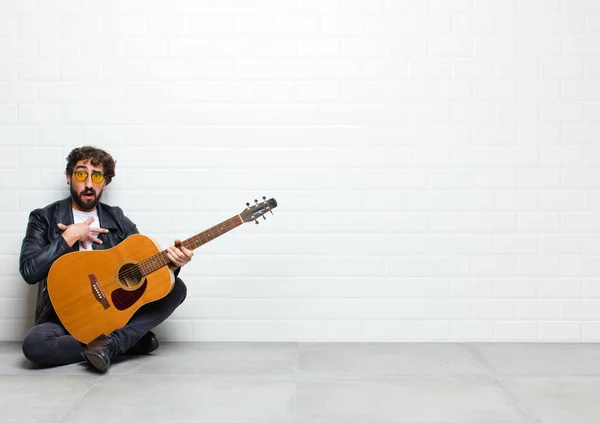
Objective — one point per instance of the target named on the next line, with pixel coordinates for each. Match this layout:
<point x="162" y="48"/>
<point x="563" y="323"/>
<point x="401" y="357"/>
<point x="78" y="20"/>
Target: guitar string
<point x="155" y="259"/>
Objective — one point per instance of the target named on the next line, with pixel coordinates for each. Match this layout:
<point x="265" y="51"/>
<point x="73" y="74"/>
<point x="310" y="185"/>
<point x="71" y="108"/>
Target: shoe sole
<point x="96" y="362"/>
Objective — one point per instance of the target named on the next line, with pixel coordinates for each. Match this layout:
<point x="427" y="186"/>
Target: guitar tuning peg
<point x="264" y="217"/>
<point x="256" y="201"/>
<point x="247" y="204"/>
<point x="256" y="221"/>
<point x="264" y="198"/>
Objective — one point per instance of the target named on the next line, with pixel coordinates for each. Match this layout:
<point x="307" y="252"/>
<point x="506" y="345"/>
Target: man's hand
<point x="178" y="254"/>
<point x="81" y="232"/>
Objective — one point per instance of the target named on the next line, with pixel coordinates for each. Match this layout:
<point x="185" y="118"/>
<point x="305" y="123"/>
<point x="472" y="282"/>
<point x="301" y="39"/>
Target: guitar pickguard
<point x="123" y="299"/>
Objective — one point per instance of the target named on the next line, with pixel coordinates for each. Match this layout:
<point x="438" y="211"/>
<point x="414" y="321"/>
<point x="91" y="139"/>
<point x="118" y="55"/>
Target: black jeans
<point x="50" y="344"/>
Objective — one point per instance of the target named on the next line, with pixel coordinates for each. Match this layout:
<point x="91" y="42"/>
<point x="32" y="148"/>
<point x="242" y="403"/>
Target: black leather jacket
<point x="43" y="244"/>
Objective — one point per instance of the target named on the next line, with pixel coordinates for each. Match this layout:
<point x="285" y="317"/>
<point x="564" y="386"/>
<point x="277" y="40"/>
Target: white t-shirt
<point x="81" y="216"/>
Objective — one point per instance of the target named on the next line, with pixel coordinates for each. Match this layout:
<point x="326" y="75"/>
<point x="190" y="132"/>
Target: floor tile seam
<point x="475" y="353"/>
<point x="288" y="377"/>
<point x="392" y="377"/>
<point x="75" y="403"/>
<point x="523" y="410"/>
<point x="517" y="405"/>
<point x="546" y="376"/>
<point x="33" y="373"/>
<point x="294" y="410"/>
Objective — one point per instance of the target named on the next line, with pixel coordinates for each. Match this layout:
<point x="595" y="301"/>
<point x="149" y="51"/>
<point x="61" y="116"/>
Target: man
<point x="82" y="222"/>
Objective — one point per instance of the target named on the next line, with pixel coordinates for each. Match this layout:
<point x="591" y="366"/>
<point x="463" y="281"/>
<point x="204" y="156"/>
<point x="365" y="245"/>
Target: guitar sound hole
<point x="130" y="275"/>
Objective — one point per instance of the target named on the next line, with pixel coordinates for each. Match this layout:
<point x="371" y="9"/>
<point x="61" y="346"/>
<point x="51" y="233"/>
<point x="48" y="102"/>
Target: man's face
<point x="86" y="194"/>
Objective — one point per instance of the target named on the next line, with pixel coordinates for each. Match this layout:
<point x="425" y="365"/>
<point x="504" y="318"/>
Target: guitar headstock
<point x="253" y="212"/>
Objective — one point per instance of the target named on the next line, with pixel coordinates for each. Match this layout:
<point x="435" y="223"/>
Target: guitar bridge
<point x="98" y="292"/>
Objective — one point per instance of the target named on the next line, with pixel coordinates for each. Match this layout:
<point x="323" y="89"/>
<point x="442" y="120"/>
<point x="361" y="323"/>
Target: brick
<point x="564" y="23"/>
<point x="521" y="68"/>
<point x="497" y="91"/>
<point x="562" y="67"/>
<point x="539" y="46"/>
<point x="430" y="24"/>
<point x="493" y="265"/>
<point x="494" y="134"/>
<point x="515" y="288"/>
<point x="538" y="91"/>
<point x="81" y="70"/>
<point x="495" y="46"/>
<point x="538" y="178"/>
<point x="549" y="221"/>
<point x="516" y="244"/>
<point x="18" y="135"/>
<point x="542" y="134"/>
<point x="518" y="112"/>
<point x="451" y="47"/>
<point x="538" y="265"/>
<point x="507" y="331"/>
<point x="8" y="114"/>
<point x="472" y="331"/>
<point x="576" y="90"/>
<point x="538" y="310"/>
<point x="125" y="25"/>
<point x="10" y="201"/>
<point x="493" y="309"/>
<point x="360" y="6"/>
<point x="538" y="5"/>
<point x="474" y="23"/>
<point x="9" y="157"/>
<point x="580" y="309"/>
<point x="9" y="26"/>
<point x="560" y="287"/>
<point x="560" y="332"/>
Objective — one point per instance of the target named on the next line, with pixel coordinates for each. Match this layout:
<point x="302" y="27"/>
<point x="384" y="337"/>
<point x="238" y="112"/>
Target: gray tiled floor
<point x="314" y="383"/>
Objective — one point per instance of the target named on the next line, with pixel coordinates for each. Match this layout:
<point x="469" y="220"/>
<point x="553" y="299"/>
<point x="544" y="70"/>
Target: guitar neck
<point x="161" y="259"/>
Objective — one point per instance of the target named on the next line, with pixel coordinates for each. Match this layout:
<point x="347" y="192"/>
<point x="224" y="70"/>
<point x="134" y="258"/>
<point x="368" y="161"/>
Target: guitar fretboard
<point x="161" y="259"/>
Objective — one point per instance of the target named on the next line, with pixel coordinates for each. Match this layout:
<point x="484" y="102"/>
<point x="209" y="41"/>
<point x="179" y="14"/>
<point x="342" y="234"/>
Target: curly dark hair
<point x="96" y="156"/>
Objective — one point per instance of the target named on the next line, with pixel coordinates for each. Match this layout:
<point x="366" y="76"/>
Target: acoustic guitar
<point x="96" y="292"/>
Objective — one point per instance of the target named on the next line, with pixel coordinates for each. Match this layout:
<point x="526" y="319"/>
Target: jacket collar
<point x="65" y="214"/>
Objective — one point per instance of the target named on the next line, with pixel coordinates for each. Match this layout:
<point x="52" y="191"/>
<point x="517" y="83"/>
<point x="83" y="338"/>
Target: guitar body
<point x="96" y="292"/>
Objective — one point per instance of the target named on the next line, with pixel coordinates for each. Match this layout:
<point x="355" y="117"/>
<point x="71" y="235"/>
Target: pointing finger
<point x="94" y="239"/>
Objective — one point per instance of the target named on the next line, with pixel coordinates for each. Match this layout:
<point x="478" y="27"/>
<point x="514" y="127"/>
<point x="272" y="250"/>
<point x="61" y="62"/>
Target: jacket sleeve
<point x="128" y="228"/>
<point x="37" y="255"/>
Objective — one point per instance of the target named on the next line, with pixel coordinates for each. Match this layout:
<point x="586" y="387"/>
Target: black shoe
<point x="146" y="345"/>
<point x="99" y="352"/>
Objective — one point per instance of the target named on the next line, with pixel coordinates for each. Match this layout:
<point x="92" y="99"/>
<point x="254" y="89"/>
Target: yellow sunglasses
<point x="82" y="175"/>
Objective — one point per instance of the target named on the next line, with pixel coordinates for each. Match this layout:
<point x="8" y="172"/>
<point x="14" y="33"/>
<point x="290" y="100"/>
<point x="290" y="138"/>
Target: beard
<point x="85" y="204"/>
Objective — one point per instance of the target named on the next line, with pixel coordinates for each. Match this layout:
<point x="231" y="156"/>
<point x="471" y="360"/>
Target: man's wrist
<point x="70" y="240"/>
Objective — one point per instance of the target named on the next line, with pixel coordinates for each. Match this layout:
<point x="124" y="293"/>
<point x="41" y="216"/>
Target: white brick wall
<point x="436" y="161"/>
